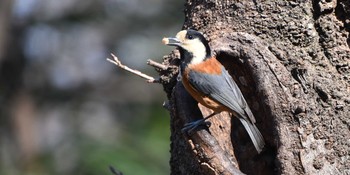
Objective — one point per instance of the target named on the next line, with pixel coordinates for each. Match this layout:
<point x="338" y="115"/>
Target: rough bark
<point x="291" y="61"/>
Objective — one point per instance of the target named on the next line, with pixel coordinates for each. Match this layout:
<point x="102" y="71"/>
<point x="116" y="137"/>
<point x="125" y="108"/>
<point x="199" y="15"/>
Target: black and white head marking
<point x="195" y="44"/>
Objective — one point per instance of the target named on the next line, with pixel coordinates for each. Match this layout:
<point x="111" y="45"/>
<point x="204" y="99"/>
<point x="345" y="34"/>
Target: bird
<point x="209" y="83"/>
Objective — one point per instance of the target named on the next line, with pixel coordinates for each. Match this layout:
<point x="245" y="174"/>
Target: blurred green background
<point x="64" y="108"/>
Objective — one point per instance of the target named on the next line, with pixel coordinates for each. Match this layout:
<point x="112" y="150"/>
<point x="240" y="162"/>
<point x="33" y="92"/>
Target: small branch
<point x="136" y="72"/>
<point x="115" y="171"/>
<point x="157" y="65"/>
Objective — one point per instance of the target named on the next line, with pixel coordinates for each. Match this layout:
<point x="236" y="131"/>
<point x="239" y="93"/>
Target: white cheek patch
<point x="197" y="48"/>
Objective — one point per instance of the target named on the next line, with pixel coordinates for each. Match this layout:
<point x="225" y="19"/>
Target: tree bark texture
<point x="291" y="61"/>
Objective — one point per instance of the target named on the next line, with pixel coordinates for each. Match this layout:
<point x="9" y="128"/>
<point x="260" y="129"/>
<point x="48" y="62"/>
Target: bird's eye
<point x="190" y="37"/>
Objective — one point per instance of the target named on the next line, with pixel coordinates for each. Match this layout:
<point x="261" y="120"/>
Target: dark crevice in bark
<point x="299" y="75"/>
<point x="316" y="9"/>
<point x="321" y="93"/>
<point x="342" y="12"/>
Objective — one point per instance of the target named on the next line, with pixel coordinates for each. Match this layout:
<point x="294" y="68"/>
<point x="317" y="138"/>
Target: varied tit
<point x="206" y="79"/>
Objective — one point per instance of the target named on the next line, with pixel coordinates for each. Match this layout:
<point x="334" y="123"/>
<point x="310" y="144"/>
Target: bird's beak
<point x="171" y="42"/>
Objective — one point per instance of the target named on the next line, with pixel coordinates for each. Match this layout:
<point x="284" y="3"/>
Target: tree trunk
<point x="291" y="61"/>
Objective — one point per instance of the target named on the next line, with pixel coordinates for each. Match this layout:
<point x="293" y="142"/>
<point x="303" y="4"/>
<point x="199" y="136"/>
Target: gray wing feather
<point x="223" y="89"/>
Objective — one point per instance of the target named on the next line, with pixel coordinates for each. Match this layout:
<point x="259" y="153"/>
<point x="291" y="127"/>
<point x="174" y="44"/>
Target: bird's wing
<point x="223" y="89"/>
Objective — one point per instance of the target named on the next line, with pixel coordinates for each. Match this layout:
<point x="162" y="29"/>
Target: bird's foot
<point x="192" y="126"/>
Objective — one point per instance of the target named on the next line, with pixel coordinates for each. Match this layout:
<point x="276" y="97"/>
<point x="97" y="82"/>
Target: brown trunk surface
<point x="291" y="61"/>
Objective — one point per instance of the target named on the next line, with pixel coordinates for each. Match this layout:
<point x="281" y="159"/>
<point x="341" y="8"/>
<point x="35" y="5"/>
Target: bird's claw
<point x="192" y="126"/>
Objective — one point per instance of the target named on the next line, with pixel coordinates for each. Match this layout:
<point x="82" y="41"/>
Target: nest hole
<point x="244" y="149"/>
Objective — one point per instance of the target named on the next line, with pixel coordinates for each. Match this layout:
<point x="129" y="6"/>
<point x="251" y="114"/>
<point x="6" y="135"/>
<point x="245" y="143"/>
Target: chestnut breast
<point x="209" y="66"/>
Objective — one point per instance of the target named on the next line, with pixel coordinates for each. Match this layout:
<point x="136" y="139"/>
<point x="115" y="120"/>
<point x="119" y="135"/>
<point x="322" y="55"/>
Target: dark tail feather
<point x="254" y="134"/>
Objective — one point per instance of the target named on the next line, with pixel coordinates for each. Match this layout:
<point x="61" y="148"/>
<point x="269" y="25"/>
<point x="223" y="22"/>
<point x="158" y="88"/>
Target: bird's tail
<point x="254" y="134"/>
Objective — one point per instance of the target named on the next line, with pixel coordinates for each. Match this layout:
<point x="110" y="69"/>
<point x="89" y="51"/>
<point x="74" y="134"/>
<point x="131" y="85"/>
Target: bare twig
<point x="157" y="65"/>
<point x="115" y="171"/>
<point x="136" y="72"/>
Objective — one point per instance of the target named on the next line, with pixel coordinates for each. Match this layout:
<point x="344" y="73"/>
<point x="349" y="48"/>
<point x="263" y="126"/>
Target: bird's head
<point x="194" y="48"/>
